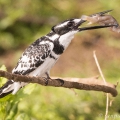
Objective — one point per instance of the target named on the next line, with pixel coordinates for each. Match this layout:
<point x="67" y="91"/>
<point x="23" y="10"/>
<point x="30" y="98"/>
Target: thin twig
<point x="107" y="100"/>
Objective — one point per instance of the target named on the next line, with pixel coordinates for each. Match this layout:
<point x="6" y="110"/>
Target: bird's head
<point x="66" y="30"/>
<point x="72" y="26"/>
<point x="66" y="26"/>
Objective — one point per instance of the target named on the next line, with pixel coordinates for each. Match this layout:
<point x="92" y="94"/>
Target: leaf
<point x="3" y="68"/>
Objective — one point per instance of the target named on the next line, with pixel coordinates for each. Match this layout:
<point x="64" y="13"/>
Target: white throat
<point x="65" y="39"/>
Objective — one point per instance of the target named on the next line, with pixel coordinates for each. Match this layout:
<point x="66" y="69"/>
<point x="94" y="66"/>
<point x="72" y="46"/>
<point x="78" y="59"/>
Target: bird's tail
<point x="9" y="87"/>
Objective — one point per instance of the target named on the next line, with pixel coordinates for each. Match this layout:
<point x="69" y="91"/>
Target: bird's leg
<point x="47" y="78"/>
<point x="47" y="74"/>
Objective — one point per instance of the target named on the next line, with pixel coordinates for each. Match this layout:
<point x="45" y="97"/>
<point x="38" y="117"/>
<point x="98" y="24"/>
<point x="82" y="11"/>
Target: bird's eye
<point x="71" y="23"/>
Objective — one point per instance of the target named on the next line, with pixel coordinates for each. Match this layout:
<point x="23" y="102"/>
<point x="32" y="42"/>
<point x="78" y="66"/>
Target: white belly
<point x="43" y="68"/>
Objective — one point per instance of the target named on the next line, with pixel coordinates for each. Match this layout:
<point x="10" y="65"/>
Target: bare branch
<point x="100" y="71"/>
<point x="78" y="83"/>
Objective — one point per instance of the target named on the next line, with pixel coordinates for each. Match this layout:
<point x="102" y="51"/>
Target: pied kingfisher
<point x="40" y="56"/>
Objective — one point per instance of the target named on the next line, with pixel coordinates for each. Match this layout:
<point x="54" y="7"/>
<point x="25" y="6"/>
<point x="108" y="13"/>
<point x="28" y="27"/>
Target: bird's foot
<point x="46" y="81"/>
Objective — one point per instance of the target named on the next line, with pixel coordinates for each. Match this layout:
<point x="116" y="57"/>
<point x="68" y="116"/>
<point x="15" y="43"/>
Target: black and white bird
<point x="40" y="56"/>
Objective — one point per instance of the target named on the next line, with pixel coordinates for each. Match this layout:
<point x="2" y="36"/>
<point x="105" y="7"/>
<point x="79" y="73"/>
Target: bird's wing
<point x="33" y="56"/>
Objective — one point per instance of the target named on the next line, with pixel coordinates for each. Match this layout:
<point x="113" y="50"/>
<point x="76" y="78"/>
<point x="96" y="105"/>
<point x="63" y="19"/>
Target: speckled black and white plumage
<point x="40" y="56"/>
<point x="33" y="57"/>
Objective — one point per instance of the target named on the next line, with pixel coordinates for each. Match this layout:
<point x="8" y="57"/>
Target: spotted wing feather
<point x="33" y="57"/>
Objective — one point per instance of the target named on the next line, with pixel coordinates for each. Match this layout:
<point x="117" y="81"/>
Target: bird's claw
<point x="46" y="81"/>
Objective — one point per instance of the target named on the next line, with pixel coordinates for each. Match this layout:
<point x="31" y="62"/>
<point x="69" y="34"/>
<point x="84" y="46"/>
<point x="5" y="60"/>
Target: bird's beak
<point x="94" y="27"/>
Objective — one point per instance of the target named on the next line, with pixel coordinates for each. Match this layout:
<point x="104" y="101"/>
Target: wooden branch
<point x="77" y="83"/>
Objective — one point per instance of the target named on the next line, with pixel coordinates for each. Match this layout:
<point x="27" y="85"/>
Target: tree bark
<point x="77" y="83"/>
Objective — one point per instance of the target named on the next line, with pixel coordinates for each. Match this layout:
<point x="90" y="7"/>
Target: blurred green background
<point x="22" y="22"/>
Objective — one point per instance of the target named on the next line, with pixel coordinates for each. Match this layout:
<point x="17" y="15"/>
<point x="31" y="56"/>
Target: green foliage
<point x="23" y="21"/>
<point x="46" y="103"/>
<point x="2" y="80"/>
<point x="9" y="104"/>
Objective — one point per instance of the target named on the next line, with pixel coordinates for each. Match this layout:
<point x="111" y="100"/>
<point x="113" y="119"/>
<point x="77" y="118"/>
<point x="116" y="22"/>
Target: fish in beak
<point x="95" y="18"/>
